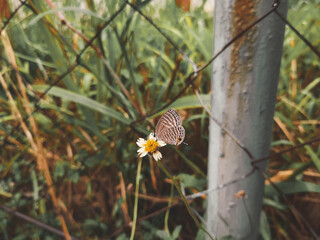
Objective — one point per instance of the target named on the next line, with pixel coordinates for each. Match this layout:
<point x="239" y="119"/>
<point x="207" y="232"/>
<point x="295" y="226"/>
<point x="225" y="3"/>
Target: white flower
<point x="150" y="146"/>
<point x="157" y="155"/>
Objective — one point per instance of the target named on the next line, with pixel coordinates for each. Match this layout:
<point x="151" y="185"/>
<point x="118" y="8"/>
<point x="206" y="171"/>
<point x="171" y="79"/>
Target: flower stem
<point x="166" y="218"/>
<point x="135" y="209"/>
<point x="184" y="199"/>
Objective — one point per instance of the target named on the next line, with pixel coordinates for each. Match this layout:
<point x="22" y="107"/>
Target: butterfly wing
<point x="168" y="120"/>
<point x="173" y="136"/>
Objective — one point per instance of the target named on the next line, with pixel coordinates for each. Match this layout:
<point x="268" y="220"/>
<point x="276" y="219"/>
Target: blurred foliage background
<point x="78" y="136"/>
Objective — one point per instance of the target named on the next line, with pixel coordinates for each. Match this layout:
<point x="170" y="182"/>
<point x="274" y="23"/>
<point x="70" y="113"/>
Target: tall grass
<point x="82" y="133"/>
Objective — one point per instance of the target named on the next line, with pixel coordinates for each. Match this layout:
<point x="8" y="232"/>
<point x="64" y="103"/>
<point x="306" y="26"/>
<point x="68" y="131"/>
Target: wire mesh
<point x="127" y="94"/>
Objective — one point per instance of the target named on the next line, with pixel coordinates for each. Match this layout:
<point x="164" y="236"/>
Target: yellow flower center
<point x="151" y="145"/>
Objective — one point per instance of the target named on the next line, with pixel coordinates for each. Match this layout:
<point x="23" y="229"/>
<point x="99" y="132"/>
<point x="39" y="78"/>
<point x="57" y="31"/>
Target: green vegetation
<point x="84" y="129"/>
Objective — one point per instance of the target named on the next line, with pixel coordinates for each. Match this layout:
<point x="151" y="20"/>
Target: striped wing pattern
<point x="173" y="136"/>
<point x="169" y="128"/>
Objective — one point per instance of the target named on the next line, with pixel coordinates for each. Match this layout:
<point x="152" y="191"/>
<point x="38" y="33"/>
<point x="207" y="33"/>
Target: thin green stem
<point x="184" y="199"/>
<point x="168" y="211"/>
<point x="135" y="209"/>
<point x="190" y="163"/>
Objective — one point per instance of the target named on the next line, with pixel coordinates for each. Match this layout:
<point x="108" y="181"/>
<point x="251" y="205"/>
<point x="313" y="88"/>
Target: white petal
<point x="140" y="150"/>
<point x="161" y="143"/>
<point x="151" y="136"/>
<point x="157" y="155"/>
<point x="141" y="142"/>
<point x="142" y="154"/>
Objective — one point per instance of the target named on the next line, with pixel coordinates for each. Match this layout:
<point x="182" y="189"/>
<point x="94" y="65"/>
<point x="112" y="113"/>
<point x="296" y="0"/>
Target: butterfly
<point x="169" y="129"/>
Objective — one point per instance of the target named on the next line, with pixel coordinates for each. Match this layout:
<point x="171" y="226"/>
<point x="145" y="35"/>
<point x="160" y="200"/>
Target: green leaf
<point x="162" y="234"/>
<point x="191" y="181"/>
<point x="314" y="157"/>
<point x="264" y="228"/>
<point x="227" y="237"/>
<point x="272" y="203"/>
<point x="85" y="101"/>
<point x="42" y="119"/>
<point x="163" y="55"/>
<point x="299" y="168"/>
<point x="122" y="236"/>
<point x="95" y="159"/>
<point x="281" y="142"/>
<point x="5" y="194"/>
<point x="35" y="60"/>
<point x="74" y="176"/>
<point x="35" y="185"/>
<point x="64" y="9"/>
<point x="59" y="170"/>
<point x="176" y="231"/>
<point x="284" y="119"/>
<point x="291" y="188"/>
<point x="190" y="101"/>
<point x="311" y="85"/>
<point x="201" y="234"/>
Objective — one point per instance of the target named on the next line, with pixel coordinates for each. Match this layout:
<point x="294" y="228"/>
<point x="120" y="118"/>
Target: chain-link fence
<point x="80" y="83"/>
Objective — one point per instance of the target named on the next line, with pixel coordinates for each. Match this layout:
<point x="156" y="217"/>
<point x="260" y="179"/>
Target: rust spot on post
<point x="244" y="13"/>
